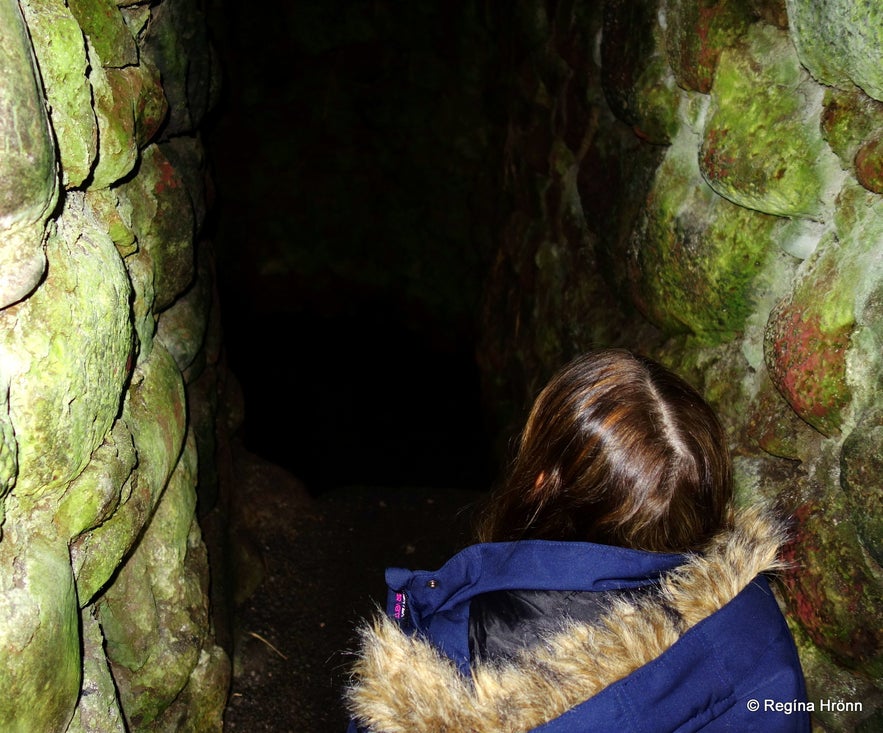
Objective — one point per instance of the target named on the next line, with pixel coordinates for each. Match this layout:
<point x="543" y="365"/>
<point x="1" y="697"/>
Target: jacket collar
<point x="402" y="683"/>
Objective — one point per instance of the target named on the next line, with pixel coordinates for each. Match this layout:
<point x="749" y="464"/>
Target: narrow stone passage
<point x="323" y="561"/>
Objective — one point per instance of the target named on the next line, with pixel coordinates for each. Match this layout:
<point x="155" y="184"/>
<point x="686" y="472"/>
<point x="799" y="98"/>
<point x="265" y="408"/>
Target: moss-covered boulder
<point x="28" y="185"/>
<point x="162" y="218"/>
<point x="637" y="80"/>
<point x="695" y="35"/>
<point x="806" y="343"/>
<point x="40" y="654"/>
<point x="98" y="710"/>
<point x="176" y="42"/>
<point x="155" y="617"/>
<point x="152" y="432"/>
<point x="841" y="610"/>
<point x="861" y="476"/>
<point x="849" y="120"/>
<point x="869" y="164"/>
<point x="63" y="67"/>
<point x="77" y="368"/>
<point x="840" y="42"/>
<point x="104" y="26"/>
<point x="693" y="257"/>
<point x="761" y="147"/>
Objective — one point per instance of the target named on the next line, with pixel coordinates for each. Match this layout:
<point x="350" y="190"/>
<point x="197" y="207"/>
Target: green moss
<point x="695" y="35"/>
<point x="176" y="42"/>
<point x="849" y="118"/>
<point x="100" y="710"/>
<point x="155" y="615"/>
<point x="39" y="635"/>
<point x="858" y="221"/>
<point x="162" y="218"/>
<point x="27" y="151"/>
<point x="869" y="164"/>
<point x="114" y="101"/>
<point x="104" y="203"/>
<point x="61" y="53"/>
<point x="696" y="256"/>
<point x="8" y="451"/>
<point x="154" y="415"/>
<point x="637" y="81"/>
<point x="73" y="339"/>
<point x="107" y="32"/>
<point x="151" y="107"/>
<point x="657" y="101"/>
<point x="96" y="493"/>
<point x="841" y="42"/>
<point x="758" y="148"/>
<point x="861" y="476"/>
<point x="833" y="593"/>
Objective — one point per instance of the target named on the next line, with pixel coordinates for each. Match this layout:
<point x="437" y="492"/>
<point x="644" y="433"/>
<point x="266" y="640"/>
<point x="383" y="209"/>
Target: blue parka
<point x="706" y="650"/>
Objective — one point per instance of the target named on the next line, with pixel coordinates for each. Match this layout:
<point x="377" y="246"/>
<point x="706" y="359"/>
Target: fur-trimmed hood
<point x="402" y="684"/>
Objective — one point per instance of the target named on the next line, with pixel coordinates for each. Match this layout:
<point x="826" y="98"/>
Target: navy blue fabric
<point x="438" y="602"/>
<point x="704" y="682"/>
<point x="707" y="680"/>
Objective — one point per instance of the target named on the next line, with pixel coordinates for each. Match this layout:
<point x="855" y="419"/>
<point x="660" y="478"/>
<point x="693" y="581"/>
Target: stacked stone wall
<point x="702" y="182"/>
<point x="110" y="369"/>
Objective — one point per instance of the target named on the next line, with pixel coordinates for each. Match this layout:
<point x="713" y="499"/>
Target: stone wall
<point x="702" y="182"/>
<point x="109" y="369"/>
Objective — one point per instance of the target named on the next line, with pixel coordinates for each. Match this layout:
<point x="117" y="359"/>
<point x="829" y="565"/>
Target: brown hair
<point x="620" y="451"/>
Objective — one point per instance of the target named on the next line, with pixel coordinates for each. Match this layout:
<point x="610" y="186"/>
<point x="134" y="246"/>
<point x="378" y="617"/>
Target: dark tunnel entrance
<point x="355" y="175"/>
<point x="360" y="398"/>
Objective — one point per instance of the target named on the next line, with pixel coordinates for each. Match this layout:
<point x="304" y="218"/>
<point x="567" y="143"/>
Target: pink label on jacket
<point x="400" y="608"/>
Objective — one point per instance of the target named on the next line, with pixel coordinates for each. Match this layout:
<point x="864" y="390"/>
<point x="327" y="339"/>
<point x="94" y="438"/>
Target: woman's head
<point x="620" y="451"/>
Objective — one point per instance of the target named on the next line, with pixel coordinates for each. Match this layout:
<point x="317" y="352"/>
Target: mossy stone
<point x="108" y="34"/>
<point x="849" y="119"/>
<point x="105" y="204"/>
<point x="806" y="342"/>
<point x="39" y="627"/>
<point x="861" y="476"/>
<point x="98" y="710"/>
<point x="869" y="164"/>
<point x="840" y="42"/>
<point x="95" y="494"/>
<point x="760" y="149"/>
<point x="27" y="151"/>
<point x="695" y="34"/>
<point x="114" y="103"/>
<point x="176" y="42"/>
<point x="155" y="615"/>
<point x="162" y="218"/>
<point x="833" y="590"/>
<point x="636" y="78"/>
<point x="154" y="415"/>
<point x="8" y="450"/>
<point x="61" y="53"/>
<point x="693" y="256"/>
<point x="78" y="367"/>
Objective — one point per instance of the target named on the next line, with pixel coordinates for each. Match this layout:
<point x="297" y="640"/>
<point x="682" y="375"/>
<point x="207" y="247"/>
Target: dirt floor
<point x="319" y="563"/>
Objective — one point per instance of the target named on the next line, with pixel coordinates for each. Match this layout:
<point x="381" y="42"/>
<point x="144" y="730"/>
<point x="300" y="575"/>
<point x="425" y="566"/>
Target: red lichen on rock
<point x="828" y="588"/>
<point x="168" y="178"/>
<point x="716" y="165"/>
<point x="869" y="165"/>
<point x="808" y="365"/>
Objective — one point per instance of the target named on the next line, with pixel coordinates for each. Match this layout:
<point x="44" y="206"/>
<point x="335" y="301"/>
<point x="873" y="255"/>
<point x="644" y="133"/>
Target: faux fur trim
<point x="402" y="684"/>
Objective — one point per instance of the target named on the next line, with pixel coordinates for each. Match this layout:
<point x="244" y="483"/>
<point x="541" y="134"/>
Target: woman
<point x="613" y="587"/>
